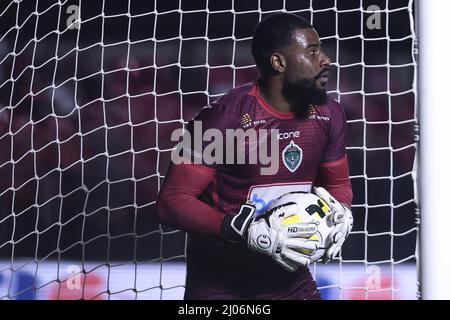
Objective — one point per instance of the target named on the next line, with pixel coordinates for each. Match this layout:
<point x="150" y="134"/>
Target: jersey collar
<point x="274" y="112"/>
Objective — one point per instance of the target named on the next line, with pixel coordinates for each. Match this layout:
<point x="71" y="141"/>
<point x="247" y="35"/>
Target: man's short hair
<point x="273" y="33"/>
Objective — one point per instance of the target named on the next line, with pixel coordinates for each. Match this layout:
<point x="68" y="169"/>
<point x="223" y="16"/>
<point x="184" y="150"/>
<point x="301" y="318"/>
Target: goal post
<point x="434" y="153"/>
<point x="90" y="92"/>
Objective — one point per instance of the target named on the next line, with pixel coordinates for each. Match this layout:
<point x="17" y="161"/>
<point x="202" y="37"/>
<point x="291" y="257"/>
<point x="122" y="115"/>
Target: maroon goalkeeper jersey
<point x="223" y="270"/>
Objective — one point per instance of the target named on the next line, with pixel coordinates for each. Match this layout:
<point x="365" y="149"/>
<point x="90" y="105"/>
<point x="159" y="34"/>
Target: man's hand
<point x="343" y="220"/>
<point x="287" y="245"/>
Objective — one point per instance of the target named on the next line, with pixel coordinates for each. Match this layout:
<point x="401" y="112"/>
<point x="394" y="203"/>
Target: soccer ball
<point x="307" y="209"/>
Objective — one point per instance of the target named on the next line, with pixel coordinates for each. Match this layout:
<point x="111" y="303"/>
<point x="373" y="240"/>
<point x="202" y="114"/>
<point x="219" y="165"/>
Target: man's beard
<point x="303" y="93"/>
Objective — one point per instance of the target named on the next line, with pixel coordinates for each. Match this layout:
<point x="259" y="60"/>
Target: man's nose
<point x="325" y="61"/>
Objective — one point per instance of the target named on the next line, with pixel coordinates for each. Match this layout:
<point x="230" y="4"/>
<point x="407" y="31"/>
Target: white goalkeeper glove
<point x="343" y="221"/>
<point x="284" y="244"/>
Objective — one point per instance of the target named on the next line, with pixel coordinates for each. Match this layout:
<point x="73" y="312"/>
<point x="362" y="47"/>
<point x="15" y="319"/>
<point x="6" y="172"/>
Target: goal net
<point x="90" y="92"/>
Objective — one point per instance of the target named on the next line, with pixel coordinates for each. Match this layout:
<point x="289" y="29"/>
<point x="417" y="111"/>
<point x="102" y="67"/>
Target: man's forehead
<point x="305" y="38"/>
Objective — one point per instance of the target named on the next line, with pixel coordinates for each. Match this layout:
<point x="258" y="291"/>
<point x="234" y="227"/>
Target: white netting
<point x="87" y="108"/>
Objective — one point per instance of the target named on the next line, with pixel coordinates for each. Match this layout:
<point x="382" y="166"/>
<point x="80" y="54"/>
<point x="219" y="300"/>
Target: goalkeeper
<point x="230" y="255"/>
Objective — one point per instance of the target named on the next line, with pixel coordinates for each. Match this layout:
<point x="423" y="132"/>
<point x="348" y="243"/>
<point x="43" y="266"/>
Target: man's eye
<point x="315" y="52"/>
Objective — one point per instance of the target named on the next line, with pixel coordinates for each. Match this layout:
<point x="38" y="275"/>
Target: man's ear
<point x="278" y="62"/>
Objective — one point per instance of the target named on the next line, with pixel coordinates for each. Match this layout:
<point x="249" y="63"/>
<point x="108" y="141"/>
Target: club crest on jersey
<point x="292" y="156"/>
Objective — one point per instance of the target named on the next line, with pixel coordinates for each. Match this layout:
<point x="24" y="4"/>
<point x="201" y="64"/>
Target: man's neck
<point x="271" y="91"/>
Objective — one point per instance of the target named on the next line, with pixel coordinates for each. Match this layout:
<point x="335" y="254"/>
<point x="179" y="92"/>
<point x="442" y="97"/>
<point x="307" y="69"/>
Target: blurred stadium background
<point x="85" y="121"/>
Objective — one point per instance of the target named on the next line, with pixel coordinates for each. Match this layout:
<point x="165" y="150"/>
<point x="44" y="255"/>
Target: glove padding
<point x="343" y="220"/>
<point x="287" y="245"/>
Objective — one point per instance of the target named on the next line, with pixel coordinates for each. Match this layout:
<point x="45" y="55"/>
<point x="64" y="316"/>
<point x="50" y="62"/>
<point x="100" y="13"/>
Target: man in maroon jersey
<point x="217" y="202"/>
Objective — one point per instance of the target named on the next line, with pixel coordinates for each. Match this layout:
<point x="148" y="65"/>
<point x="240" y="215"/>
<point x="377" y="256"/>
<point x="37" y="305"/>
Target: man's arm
<point x="333" y="182"/>
<point x="178" y="204"/>
<point x="337" y="193"/>
<point x="334" y="177"/>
